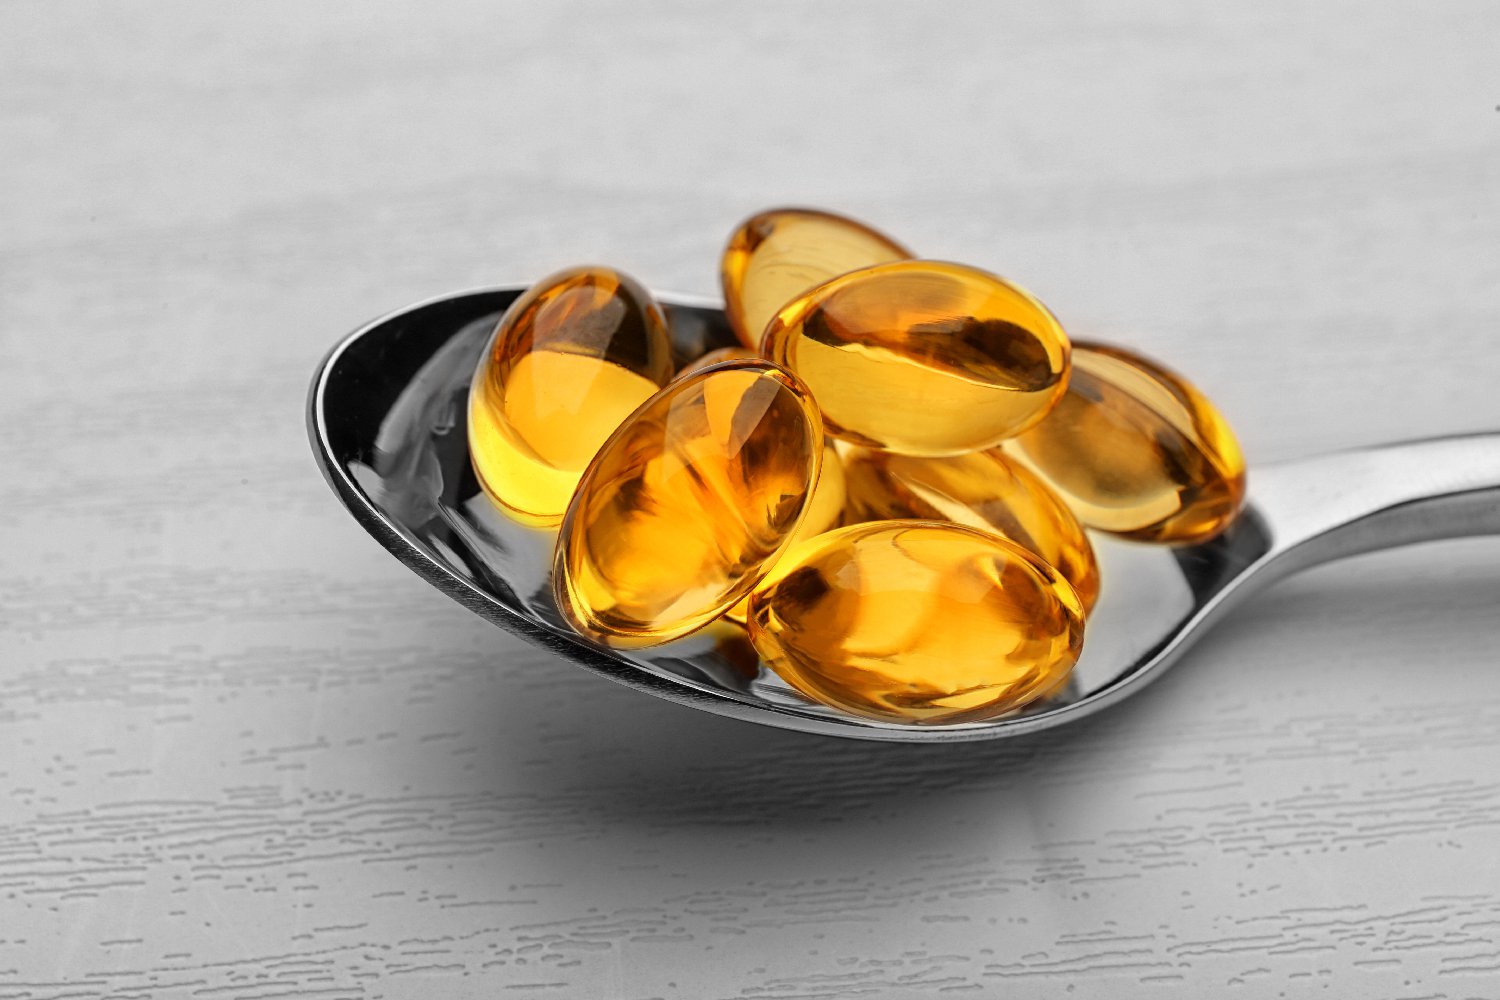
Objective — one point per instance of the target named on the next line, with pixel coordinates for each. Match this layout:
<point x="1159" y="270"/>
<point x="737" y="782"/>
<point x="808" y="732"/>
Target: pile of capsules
<point x="887" y="484"/>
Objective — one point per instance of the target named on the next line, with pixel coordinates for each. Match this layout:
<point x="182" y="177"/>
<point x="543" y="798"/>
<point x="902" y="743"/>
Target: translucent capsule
<point x="569" y="360"/>
<point x="827" y="506"/>
<point x="716" y="357"/>
<point x="686" y="504"/>
<point x="917" y="621"/>
<point x="922" y="357"/>
<point x="824" y="511"/>
<point x="778" y="255"/>
<point x="1135" y="450"/>
<point x="983" y="490"/>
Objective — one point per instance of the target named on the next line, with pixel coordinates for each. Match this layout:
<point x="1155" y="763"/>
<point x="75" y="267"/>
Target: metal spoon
<point x="386" y="418"/>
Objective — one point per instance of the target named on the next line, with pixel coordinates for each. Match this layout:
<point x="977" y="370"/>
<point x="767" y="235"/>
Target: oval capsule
<point x="687" y="504"/>
<point x="569" y="360"/>
<point x="827" y="506"/>
<point x="824" y="511"/>
<point x="775" y="256"/>
<point x="984" y="490"/>
<point x="1135" y="450"/>
<point x="917" y="621"/>
<point x="922" y="357"/>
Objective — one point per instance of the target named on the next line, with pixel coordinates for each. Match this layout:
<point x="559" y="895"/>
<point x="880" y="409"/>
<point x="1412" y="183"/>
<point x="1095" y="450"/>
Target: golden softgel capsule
<point x="570" y="359"/>
<point x="687" y="503"/>
<point x="917" y="621"/>
<point x="776" y="256"/>
<point x="1135" y="450"/>
<point x="824" y="511"/>
<point x="984" y="490"/>
<point x="922" y="357"/>
<point x="827" y="506"/>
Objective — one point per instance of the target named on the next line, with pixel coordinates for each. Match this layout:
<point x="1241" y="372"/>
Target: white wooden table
<point x="245" y="754"/>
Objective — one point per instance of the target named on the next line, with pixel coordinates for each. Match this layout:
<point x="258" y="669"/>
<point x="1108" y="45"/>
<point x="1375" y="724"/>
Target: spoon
<point x="386" y="414"/>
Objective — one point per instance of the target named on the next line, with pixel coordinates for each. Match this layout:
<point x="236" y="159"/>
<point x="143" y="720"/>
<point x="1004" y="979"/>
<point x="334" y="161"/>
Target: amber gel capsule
<point x="776" y="256"/>
<point x="570" y="359"/>
<point x="983" y="490"/>
<point x="1135" y="450"/>
<point x="917" y="621"/>
<point x="824" y="511"/>
<point x="827" y="505"/>
<point x="922" y="357"/>
<point x="687" y="503"/>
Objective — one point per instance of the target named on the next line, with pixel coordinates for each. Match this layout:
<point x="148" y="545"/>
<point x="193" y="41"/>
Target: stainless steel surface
<point x="386" y="419"/>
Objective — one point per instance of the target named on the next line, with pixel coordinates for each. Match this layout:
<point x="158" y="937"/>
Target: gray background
<point x="245" y="754"/>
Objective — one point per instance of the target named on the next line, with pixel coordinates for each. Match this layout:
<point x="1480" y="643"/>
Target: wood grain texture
<point x="245" y="754"/>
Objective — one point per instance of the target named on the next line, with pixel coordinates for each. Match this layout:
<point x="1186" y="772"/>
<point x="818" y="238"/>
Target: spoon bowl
<point x="386" y="415"/>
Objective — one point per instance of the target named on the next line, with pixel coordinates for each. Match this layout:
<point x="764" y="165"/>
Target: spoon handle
<point x="1332" y="506"/>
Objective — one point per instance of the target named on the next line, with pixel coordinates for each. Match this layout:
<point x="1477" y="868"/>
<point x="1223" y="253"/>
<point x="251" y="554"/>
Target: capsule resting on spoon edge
<point x="570" y="359"/>
<point x="1135" y="450"/>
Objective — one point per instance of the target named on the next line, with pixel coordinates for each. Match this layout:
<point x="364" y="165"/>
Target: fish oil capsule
<point x="922" y="357"/>
<point x="778" y="255"/>
<point x="917" y="621"/>
<point x="1137" y="451"/>
<point x="827" y="505"/>
<point x="570" y="359"/>
<point x="717" y="357"/>
<point x="984" y="490"/>
<point x="824" y="511"/>
<point x="687" y="503"/>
